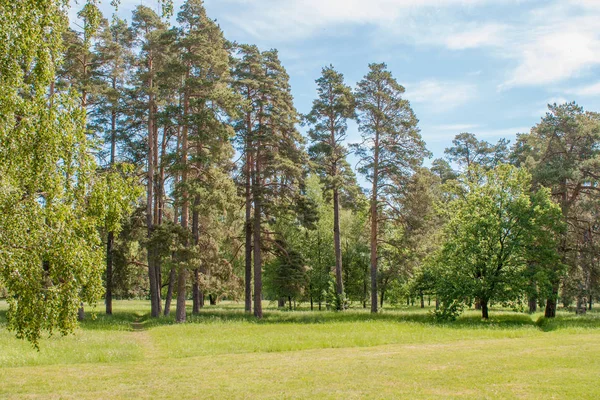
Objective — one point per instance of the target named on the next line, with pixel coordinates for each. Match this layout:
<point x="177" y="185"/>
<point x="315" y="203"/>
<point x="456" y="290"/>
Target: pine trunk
<point x="109" y="271"/>
<point x="248" y="233"/>
<point x="169" y="297"/>
<point x="374" y="226"/>
<point x="257" y="240"/>
<point x="337" y="243"/>
<point x="181" y="280"/>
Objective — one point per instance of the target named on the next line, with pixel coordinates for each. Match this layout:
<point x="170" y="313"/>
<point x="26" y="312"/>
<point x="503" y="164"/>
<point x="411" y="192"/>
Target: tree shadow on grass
<point x="467" y="321"/>
<point x="124" y="319"/>
<point x="571" y="321"/>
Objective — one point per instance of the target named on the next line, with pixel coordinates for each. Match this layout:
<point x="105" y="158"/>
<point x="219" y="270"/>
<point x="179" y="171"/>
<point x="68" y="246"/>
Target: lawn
<point x="222" y="353"/>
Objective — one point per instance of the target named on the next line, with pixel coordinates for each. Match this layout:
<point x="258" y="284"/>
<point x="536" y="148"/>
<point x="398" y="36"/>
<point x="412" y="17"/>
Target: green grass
<point x="223" y="353"/>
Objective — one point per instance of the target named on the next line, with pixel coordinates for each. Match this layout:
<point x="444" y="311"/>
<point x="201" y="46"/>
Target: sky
<point x="489" y="67"/>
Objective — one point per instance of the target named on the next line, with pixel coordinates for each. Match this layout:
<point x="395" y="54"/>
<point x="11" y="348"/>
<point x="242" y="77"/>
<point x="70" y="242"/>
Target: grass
<point x="223" y="353"/>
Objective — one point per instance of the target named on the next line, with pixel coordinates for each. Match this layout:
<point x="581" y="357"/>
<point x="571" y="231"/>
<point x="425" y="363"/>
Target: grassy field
<point x="222" y="353"/>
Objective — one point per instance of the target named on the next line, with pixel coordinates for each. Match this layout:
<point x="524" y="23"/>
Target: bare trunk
<point x="180" y="314"/>
<point x="181" y="281"/>
<point x="257" y="258"/>
<point x="374" y="226"/>
<point x="109" y="271"/>
<point x="196" y="279"/>
<point x="196" y="293"/>
<point x="532" y="302"/>
<point x="484" y="309"/>
<point x="550" y="311"/>
<point x="248" y="233"/>
<point x="80" y="312"/>
<point x="337" y="244"/>
<point x="169" y="297"/>
<point x="257" y="235"/>
<point x="551" y="302"/>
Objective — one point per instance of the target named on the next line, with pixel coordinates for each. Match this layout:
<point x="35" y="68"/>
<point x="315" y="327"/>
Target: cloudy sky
<point x="483" y="66"/>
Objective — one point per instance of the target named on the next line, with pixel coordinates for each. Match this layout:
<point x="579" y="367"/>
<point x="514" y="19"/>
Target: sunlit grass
<point x="225" y="353"/>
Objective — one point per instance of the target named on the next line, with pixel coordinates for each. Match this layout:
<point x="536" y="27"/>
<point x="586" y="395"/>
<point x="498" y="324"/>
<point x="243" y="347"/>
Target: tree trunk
<point x="281" y="302"/>
<point x="111" y="236"/>
<point x="180" y="314"/>
<point x="374" y="226"/>
<point x="532" y="301"/>
<point x="422" y="300"/>
<point x="437" y="303"/>
<point x="550" y="311"/>
<point x="290" y="302"/>
<point x="196" y="236"/>
<point x="484" y="309"/>
<point x="196" y="293"/>
<point x="109" y="271"/>
<point x="80" y="312"/>
<point x="382" y="296"/>
<point x="257" y="239"/>
<point x="181" y="281"/>
<point x="248" y="225"/>
<point x="212" y="299"/>
<point x="152" y="276"/>
<point x="339" y="284"/>
<point x="169" y="297"/>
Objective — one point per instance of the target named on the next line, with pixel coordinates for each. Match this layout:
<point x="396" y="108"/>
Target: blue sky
<point x="483" y="66"/>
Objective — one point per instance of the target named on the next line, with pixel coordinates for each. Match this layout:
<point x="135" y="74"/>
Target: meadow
<point x="223" y="353"/>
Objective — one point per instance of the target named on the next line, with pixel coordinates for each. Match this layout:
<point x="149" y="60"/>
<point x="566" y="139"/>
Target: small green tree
<point x="496" y="226"/>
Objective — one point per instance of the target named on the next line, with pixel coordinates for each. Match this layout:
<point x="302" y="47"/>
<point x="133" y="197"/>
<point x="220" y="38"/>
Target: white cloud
<point x="458" y="128"/>
<point x="585" y="91"/>
<point x="507" y="133"/>
<point x="439" y="133"/>
<point x="298" y="19"/>
<point x="477" y="36"/>
<point x="440" y="96"/>
<point x="551" y="42"/>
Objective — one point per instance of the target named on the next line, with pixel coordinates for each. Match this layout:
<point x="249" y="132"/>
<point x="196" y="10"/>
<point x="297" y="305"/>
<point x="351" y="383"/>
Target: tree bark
<point x="374" y="224"/>
<point x="484" y="309"/>
<point x="152" y="277"/>
<point x="196" y="278"/>
<point x="550" y="311"/>
<point x="111" y="236"/>
<point x="169" y="297"/>
<point x="532" y="302"/>
<point x="109" y="271"/>
<point x="181" y="281"/>
<point x="339" y="284"/>
<point x="248" y="233"/>
<point x="196" y="292"/>
<point x="257" y="238"/>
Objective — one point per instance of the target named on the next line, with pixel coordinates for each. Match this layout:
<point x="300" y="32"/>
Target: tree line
<point x="161" y="161"/>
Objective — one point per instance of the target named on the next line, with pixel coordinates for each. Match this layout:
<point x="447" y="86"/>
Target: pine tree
<point x="327" y="118"/>
<point x="205" y="147"/>
<point x="114" y="55"/>
<point x="272" y="147"/>
<point x="148" y="28"/>
<point x="391" y="148"/>
<point x="247" y="77"/>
